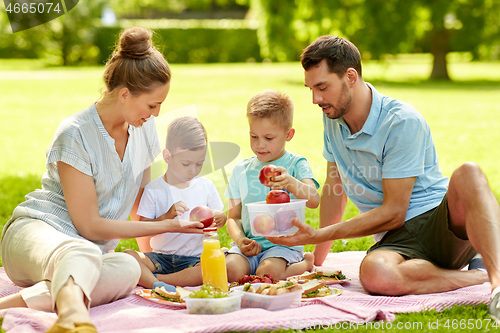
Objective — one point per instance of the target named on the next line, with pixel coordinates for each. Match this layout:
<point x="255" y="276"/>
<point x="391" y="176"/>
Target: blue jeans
<point x="171" y="263"/>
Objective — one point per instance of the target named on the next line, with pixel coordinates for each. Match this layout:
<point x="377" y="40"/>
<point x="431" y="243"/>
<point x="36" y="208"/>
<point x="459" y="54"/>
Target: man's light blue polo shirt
<point x="395" y="142"/>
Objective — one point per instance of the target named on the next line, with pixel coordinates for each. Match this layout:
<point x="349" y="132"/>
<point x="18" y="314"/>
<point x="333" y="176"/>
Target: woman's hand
<point x="184" y="226"/>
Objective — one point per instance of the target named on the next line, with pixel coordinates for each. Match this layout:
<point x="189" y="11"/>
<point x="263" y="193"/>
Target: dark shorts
<point x="427" y="236"/>
<point x="171" y="263"/>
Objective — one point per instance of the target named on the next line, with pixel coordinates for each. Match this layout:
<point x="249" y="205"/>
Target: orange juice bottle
<point x="213" y="261"/>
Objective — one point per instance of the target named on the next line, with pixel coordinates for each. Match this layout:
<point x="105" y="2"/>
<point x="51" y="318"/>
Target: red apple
<point x="266" y="173"/>
<point x="263" y="223"/>
<point x="277" y="197"/>
<point x="202" y="214"/>
<point x="284" y="219"/>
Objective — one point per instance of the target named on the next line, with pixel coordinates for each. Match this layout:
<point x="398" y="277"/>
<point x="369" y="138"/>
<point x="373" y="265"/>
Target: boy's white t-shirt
<point x="157" y="199"/>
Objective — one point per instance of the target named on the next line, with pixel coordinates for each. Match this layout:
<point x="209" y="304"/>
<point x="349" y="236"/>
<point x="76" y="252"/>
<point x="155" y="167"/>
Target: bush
<point x="193" y="45"/>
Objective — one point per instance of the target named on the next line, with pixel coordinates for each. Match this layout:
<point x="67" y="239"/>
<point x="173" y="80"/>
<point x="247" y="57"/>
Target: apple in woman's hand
<point x="202" y="214"/>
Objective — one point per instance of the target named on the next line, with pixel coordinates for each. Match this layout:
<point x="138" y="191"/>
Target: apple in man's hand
<point x="202" y="214"/>
<point x="263" y="223"/>
<point x="277" y="197"/>
<point x="266" y="174"/>
<point x="284" y="219"/>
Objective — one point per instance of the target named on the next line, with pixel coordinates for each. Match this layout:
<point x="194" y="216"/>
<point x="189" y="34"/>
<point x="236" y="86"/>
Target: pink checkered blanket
<point x="354" y="305"/>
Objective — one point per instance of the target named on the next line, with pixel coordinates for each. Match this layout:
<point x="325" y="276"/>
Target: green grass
<point x="463" y="116"/>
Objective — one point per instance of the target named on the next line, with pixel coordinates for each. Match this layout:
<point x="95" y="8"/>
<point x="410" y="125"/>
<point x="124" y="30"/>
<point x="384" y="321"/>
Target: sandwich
<point x="162" y="293"/>
<point x="282" y="287"/>
<point x="314" y="288"/>
<point x="324" y="275"/>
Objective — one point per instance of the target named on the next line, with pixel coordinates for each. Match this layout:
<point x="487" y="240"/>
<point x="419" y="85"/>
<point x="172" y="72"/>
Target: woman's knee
<point x="124" y="264"/>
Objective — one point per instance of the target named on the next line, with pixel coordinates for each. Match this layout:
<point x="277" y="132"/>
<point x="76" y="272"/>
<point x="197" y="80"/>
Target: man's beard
<point x="343" y="106"/>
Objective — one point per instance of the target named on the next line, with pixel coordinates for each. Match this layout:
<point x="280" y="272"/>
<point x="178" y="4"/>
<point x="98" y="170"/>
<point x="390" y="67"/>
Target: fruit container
<point x="275" y="219"/>
<point x="214" y="305"/>
<point x="269" y="302"/>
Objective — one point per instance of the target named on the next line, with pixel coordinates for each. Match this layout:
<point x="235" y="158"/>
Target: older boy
<point x="270" y="115"/>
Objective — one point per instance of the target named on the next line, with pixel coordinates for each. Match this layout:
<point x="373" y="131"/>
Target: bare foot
<point x="309" y="260"/>
<point x="70" y="305"/>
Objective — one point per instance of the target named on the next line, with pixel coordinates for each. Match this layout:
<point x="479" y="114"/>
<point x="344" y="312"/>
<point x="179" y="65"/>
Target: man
<point x="381" y="155"/>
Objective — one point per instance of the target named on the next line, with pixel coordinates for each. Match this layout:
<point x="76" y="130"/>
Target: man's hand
<point x="249" y="247"/>
<point x="305" y="235"/>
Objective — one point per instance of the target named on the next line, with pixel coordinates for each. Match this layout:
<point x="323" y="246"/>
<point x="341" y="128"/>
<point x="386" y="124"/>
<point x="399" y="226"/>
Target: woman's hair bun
<point x="135" y="43"/>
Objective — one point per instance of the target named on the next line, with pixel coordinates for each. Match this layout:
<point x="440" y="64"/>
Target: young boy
<point x="270" y="115"/>
<point x="172" y="259"/>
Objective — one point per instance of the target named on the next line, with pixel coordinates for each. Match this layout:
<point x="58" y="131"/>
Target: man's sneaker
<point x="477" y="263"/>
<point x="494" y="307"/>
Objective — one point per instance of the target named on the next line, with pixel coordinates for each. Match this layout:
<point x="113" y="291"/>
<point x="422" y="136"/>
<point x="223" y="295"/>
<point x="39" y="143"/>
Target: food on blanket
<point x="202" y="214"/>
<point x="284" y="219"/>
<point x="314" y="288"/>
<point x="282" y="287"/>
<point x="266" y="278"/>
<point x="162" y="293"/>
<point x="266" y="174"/>
<point x="324" y="275"/>
<point x="263" y="223"/>
<point x="277" y="197"/>
<point x="209" y="291"/>
<point x="249" y="288"/>
<point x="214" y="305"/>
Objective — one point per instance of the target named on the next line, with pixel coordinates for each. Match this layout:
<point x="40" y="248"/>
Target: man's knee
<point x="470" y="176"/>
<point x="378" y="275"/>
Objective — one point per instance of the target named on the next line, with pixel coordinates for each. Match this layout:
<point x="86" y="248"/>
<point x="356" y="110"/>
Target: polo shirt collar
<point x="370" y="125"/>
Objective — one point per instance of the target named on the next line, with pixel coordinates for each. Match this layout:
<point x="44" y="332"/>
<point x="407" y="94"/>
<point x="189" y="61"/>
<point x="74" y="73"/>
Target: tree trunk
<point x="440" y="42"/>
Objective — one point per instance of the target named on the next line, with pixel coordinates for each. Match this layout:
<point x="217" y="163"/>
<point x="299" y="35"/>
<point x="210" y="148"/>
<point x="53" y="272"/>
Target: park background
<point x="441" y="56"/>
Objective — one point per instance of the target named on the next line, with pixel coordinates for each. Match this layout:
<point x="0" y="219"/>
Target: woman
<point x="59" y="243"/>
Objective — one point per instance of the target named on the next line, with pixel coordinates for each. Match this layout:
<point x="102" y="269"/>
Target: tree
<point x="380" y="27"/>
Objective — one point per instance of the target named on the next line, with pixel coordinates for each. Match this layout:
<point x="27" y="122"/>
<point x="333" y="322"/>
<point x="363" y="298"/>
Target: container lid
<point x="209" y="229"/>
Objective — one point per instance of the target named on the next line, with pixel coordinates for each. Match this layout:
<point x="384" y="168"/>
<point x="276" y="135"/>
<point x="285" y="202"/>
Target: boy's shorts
<point x="171" y="263"/>
<point x="427" y="236"/>
<point x="290" y="255"/>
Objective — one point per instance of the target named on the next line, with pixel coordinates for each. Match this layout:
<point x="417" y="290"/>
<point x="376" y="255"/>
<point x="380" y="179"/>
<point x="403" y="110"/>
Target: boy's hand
<point x="279" y="182"/>
<point x="219" y="219"/>
<point x="249" y="247"/>
<point x="177" y="209"/>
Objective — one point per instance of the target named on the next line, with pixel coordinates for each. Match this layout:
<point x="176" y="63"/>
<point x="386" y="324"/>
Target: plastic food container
<point x="275" y="219"/>
<point x="214" y="305"/>
<point x="273" y="302"/>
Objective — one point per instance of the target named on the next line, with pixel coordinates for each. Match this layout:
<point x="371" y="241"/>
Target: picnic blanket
<point x="354" y="305"/>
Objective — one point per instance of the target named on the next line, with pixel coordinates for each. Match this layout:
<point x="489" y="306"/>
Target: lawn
<point x="463" y="115"/>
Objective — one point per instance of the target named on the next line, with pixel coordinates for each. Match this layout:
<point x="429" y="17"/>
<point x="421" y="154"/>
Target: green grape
<point x="208" y="291"/>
